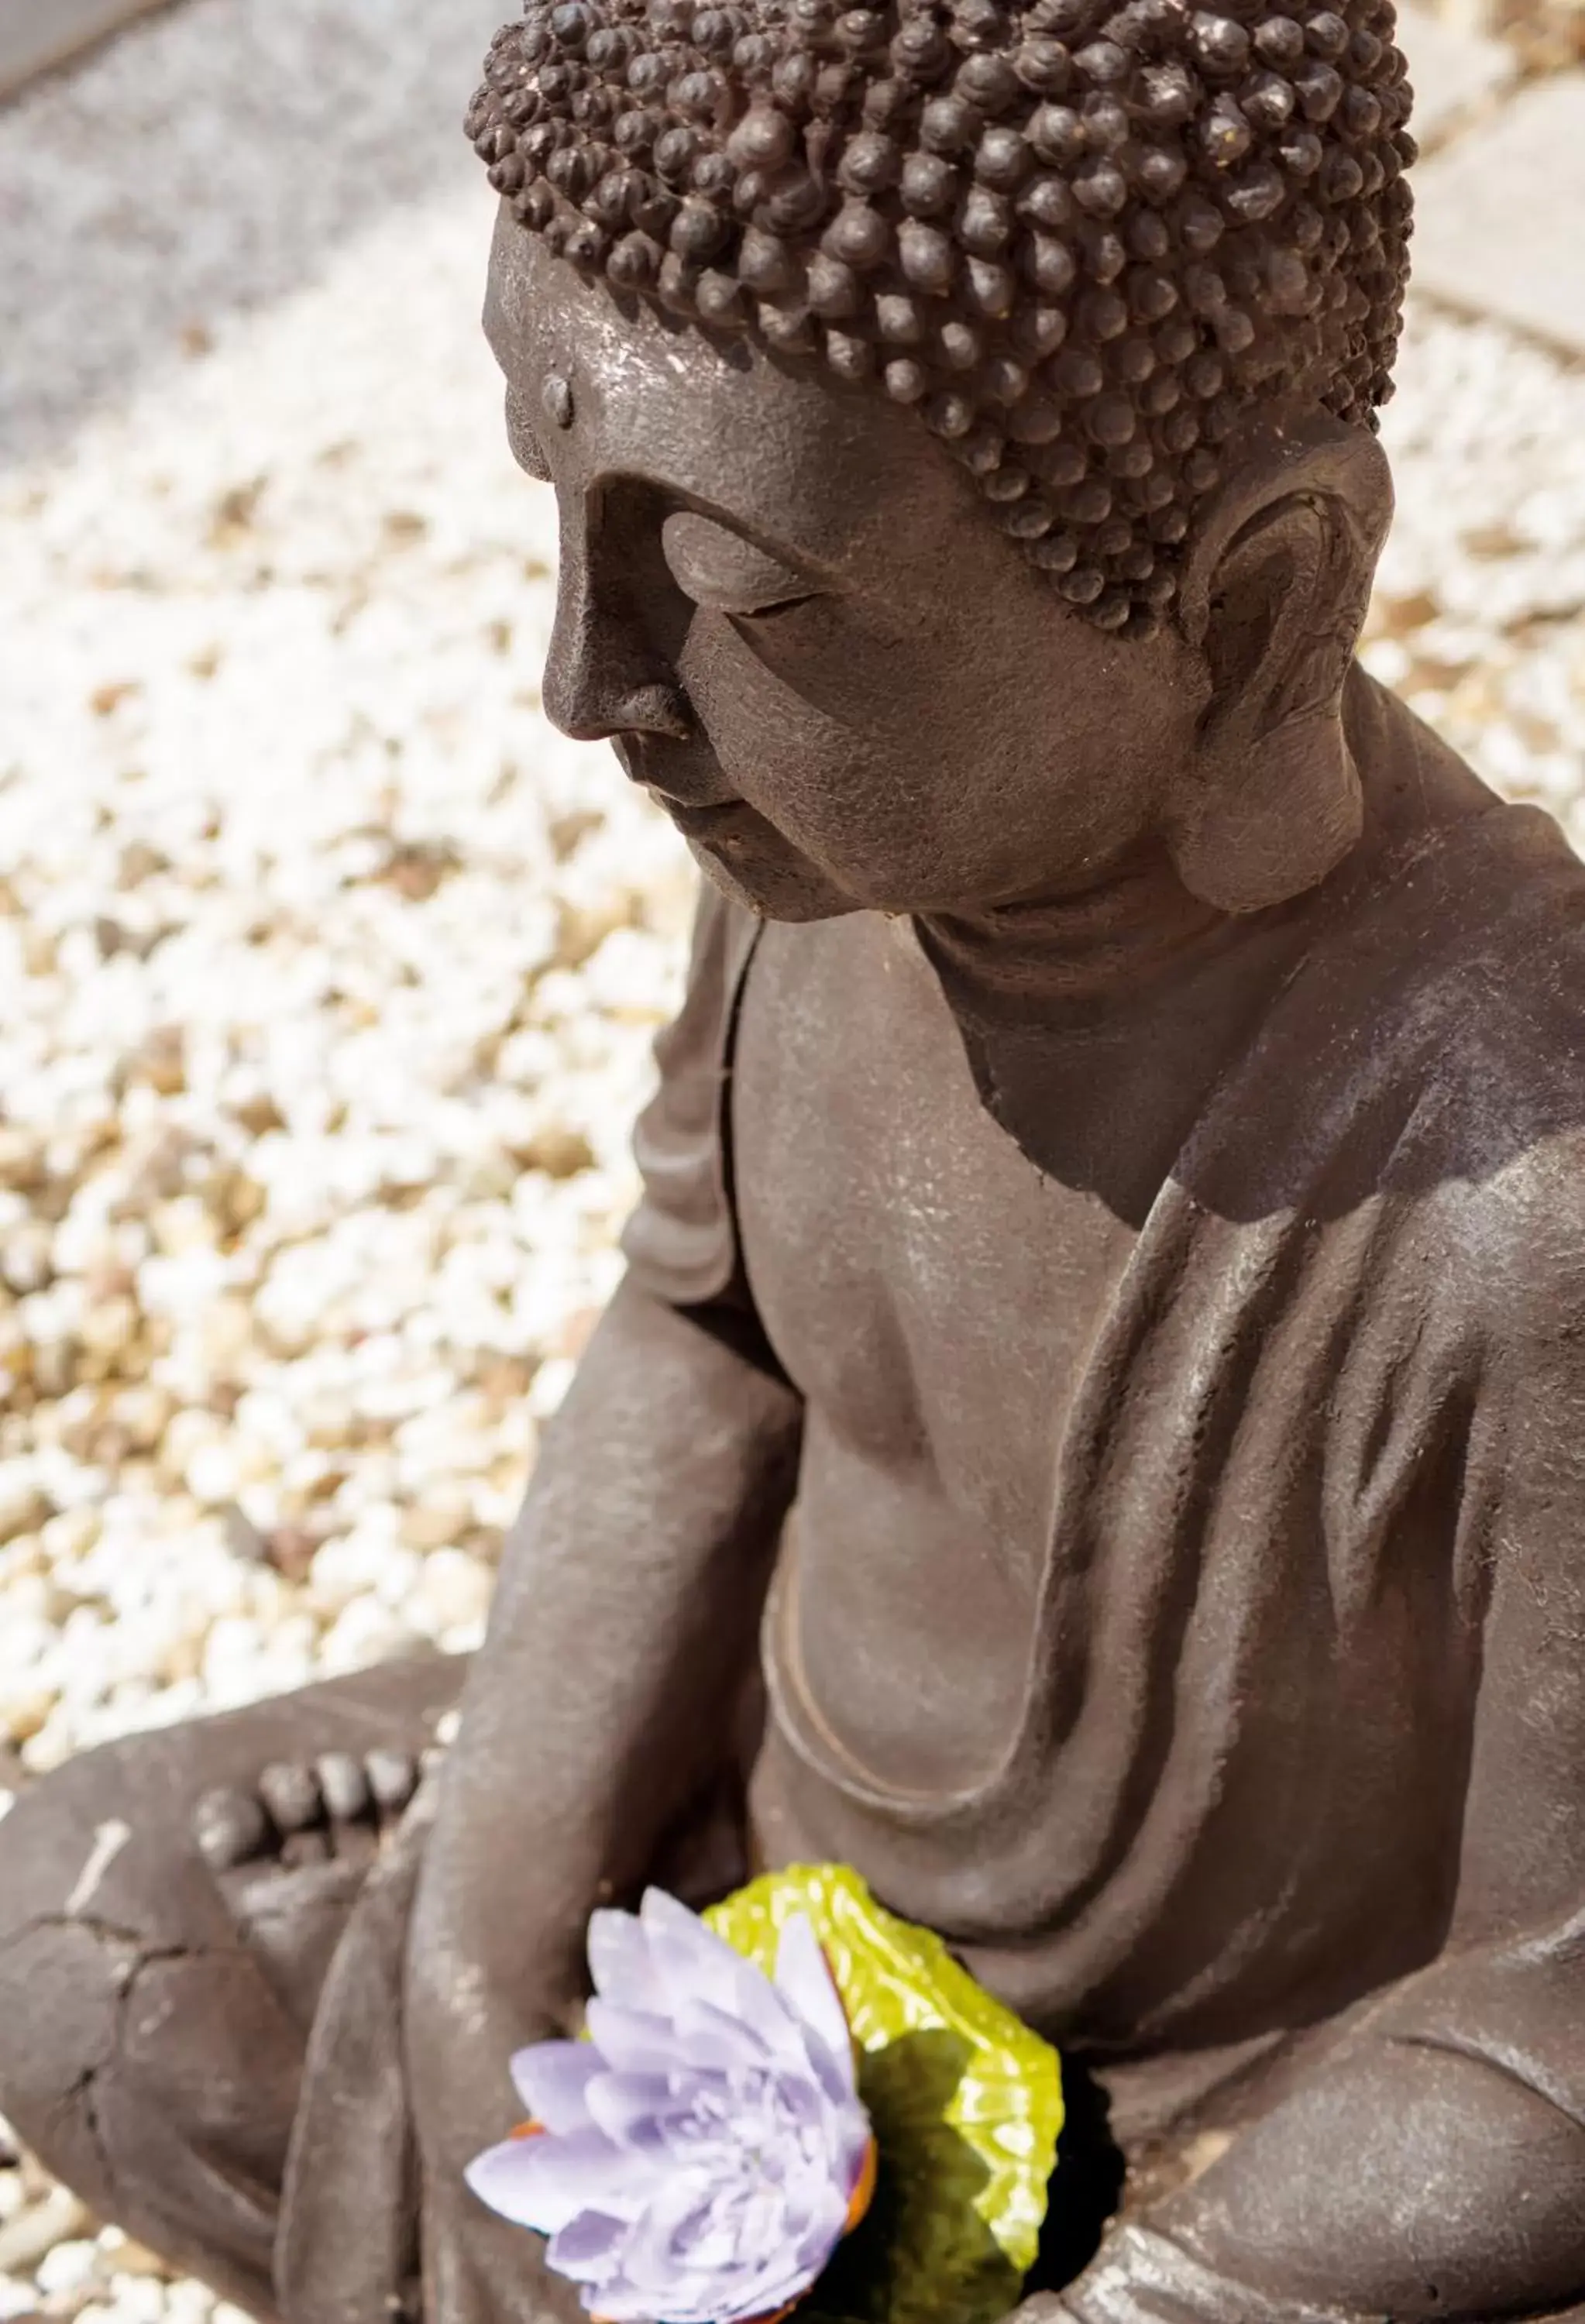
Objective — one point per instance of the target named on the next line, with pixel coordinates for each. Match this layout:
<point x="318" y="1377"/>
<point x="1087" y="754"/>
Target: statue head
<point x="962" y="422"/>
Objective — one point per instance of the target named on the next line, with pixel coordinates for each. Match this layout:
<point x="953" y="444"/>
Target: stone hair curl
<point x="1081" y="238"/>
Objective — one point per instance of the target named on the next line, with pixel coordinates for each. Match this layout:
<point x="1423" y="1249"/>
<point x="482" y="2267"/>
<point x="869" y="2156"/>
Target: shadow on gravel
<point x="204" y="163"/>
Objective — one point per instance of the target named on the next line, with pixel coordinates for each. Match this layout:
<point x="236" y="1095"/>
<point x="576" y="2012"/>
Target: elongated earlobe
<point x="1273" y="600"/>
<point x="1278" y="825"/>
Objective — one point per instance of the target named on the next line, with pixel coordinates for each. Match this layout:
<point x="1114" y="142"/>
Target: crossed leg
<point x="168" y="1906"/>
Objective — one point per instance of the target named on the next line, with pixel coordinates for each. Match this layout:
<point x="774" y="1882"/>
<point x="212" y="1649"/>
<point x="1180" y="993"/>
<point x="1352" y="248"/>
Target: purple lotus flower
<point x="698" y="2158"/>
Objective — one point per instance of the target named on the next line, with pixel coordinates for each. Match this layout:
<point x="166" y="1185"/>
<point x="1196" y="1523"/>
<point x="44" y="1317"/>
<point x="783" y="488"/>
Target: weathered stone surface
<point x="1455" y="73"/>
<point x="35" y="34"/>
<point x="1497" y="215"/>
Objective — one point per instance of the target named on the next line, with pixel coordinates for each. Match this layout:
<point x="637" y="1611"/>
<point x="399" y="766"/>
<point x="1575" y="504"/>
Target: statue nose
<point x="605" y="674"/>
<point x="588" y="706"/>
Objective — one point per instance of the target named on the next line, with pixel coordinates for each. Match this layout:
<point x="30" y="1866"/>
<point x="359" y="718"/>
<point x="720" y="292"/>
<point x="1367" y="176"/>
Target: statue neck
<point x="1097" y="1022"/>
<point x="1124" y="943"/>
<point x="1080" y="958"/>
<point x="1095" y="1025"/>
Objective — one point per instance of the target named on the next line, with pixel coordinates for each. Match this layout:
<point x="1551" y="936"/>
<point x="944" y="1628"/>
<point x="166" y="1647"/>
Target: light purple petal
<point x="764" y="2296"/>
<point x="782" y="2276"/>
<point x="544" y="2183"/>
<point x="707" y="2242"/>
<point x="631" y="2040"/>
<point x="695" y="1965"/>
<point x="839" y="2093"/>
<point x="691" y="1960"/>
<point x="851" y="2143"/>
<point x="588" y="2246"/>
<point x="655" y="2256"/>
<point x="502" y="2178"/>
<point x="822" y="2233"/>
<point x="804" y="1979"/>
<point x="754" y="2000"/>
<point x="498" y="2177"/>
<point x="551" y="2078"/>
<point x="629" y="2108"/>
<point x="710" y="2036"/>
<point x="620" y="1964"/>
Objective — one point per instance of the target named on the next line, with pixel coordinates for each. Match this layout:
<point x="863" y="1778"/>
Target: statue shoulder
<point x="682" y="1239"/>
<point x="1503" y="1110"/>
<point x="1505" y="986"/>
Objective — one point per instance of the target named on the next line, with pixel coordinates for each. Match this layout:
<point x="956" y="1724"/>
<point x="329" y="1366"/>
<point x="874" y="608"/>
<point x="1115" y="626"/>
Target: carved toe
<point x="344" y="1785"/>
<point x="394" y="1777"/>
<point x="291" y="1791"/>
<point x="231" y="1828"/>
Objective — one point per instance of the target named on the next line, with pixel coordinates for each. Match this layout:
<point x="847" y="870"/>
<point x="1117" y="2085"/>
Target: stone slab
<point x="1500" y="215"/>
<point x="1456" y="73"/>
<point x="37" y="34"/>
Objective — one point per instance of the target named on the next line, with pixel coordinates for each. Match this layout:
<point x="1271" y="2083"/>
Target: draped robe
<point x="1291" y="1754"/>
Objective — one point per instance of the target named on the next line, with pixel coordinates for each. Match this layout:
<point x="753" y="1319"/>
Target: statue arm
<point x="622" y="1635"/>
<point x="626" y="1615"/>
<point x="1434" y="2166"/>
<point x="623" y="1630"/>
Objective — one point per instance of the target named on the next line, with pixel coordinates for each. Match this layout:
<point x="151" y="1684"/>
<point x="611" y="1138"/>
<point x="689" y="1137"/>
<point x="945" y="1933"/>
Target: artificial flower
<point x="697" y="2159"/>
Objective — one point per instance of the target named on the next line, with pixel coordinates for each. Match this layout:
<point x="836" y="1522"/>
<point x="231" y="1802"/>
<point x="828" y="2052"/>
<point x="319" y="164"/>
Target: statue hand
<point x="1043" y="2307"/>
<point x="1141" y="2276"/>
<point x="460" y="2031"/>
<point x="479" y="2269"/>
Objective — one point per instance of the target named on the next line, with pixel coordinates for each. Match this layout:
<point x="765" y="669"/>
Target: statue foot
<point x="331" y="1809"/>
<point x="289" y="1852"/>
<point x="169" y="1905"/>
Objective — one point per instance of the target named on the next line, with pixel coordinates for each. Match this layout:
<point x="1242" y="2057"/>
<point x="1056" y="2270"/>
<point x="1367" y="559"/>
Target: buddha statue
<point x="1091" y="1432"/>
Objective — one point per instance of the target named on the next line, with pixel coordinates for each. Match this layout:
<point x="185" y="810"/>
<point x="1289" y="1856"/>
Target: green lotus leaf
<point x="966" y="2104"/>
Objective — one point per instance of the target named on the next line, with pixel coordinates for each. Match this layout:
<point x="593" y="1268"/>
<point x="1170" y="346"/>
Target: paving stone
<point x="35" y="34"/>
<point x="1456" y="73"/>
<point x="1498" y="211"/>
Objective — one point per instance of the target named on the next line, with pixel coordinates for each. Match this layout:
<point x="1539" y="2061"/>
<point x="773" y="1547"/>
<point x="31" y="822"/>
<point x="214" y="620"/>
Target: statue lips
<point x="705" y="823"/>
<point x="695" y="816"/>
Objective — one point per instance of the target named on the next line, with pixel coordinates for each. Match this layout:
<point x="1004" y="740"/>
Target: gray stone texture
<point x="1498" y="215"/>
<point x="36" y="34"/>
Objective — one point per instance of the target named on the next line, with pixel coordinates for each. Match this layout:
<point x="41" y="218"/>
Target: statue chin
<point x="776" y="886"/>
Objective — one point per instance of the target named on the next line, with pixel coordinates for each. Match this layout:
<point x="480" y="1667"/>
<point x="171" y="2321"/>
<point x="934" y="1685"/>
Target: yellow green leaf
<point x="966" y="2104"/>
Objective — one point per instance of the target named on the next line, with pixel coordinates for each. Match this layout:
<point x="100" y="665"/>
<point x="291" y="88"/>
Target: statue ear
<point x="1273" y="596"/>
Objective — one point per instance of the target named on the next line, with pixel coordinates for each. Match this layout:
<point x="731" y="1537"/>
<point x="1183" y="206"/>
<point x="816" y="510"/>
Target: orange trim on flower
<point x="527" y="2130"/>
<point x="864" y="2190"/>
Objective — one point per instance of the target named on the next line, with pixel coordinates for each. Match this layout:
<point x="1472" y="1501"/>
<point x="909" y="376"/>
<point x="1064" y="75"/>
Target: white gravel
<point x="1477" y="618"/>
<point x="329" y="971"/>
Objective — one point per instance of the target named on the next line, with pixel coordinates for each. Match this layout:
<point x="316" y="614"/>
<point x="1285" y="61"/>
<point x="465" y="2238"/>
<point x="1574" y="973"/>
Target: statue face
<point x="788" y="610"/>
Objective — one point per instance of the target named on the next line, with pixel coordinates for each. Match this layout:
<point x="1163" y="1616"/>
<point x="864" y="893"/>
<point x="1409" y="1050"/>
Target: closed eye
<point x="782" y="605"/>
<point x="725" y="573"/>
